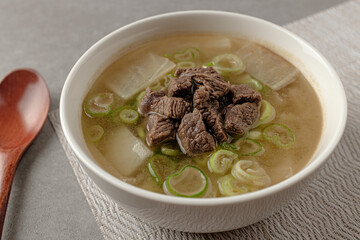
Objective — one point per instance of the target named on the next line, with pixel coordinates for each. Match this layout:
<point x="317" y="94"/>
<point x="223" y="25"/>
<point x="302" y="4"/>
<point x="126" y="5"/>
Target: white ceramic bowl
<point x="216" y="214"/>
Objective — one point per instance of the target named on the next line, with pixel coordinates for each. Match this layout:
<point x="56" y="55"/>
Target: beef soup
<point x="202" y="116"/>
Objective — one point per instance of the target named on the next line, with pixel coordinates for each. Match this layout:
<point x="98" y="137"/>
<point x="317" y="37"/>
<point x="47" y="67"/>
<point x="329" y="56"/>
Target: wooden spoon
<point x="24" y="105"/>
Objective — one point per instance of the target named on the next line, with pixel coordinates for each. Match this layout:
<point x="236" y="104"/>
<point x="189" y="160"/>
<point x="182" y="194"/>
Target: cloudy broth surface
<point x="297" y="108"/>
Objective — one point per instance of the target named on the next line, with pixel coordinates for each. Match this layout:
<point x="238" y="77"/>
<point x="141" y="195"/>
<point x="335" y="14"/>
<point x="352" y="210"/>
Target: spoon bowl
<point x="24" y="105"/>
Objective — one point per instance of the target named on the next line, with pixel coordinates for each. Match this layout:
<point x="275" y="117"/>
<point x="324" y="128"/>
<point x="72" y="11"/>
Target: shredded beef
<point x="243" y="93"/>
<point x="241" y="117"/>
<point x="210" y="111"/>
<point x="148" y="100"/>
<point x="157" y="102"/>
<point x="180" y="87"/>
<point x="193" y="135"/>
<point x="208" y="106"/>
<point x="171" y="107"/>
<point x="160" y="129"/>
<point x="208" y="77"/>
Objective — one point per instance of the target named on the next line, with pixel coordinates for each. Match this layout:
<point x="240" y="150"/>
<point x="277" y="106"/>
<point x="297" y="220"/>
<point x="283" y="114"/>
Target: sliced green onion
<point x="228" y="63"/>
<point x="195" y="51"/>
<point x="220" y="161"/>
<point x="170" y="149"/>
<point x="129" y="116"/>
<point x="187" y="55"/>
<point x="229" y="186"/>
<point x="160" y="167"/>
<point x="139" y="98"/>
<point x="186" y="64"/>
<point x="251" y="173"/>
<point x="267" y="113"/>
<point x="99" y="105"/>
<point x="190" y="181"/>
<point x="210" y="64"/>
<point x="279" y="134"/>
<point x="253" y="83"/>
<point x="125" y="114"/>
<point x="249" y="147"/>
<point x="228" y="146"/>
<point x="94" y="133"/>
<point x="141" y="132"/>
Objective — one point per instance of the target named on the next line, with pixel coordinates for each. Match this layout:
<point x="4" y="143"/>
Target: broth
<point x="297" y="107"/>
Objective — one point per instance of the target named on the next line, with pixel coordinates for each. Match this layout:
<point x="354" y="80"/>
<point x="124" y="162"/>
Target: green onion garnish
<point x="229" y="186"/>
<point x="99" y="105"/>
<point x="187" y="55"/>
<point x="228" y="146"/>
<point x="160" y="167"/>
<point x="170" y="149"/>
<point x="267" y="113"/>
<point x="125" y="114"/>
<point x="279" y="134"/>
<point x="141" y="132"/>
<point x="94" y="133"/>
<point x="251" y="173"/>
<point x="228" y="63"/>
<point x="139" y="98"/>
<point x="253" y="83"/>
<point x="190" y="181"/>
<point x="220" y="161"/>
<point x="249" y="147"/>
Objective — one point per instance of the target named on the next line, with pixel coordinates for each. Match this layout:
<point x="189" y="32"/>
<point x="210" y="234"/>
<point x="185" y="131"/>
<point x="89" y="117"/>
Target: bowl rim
<point x="162" y="198"/>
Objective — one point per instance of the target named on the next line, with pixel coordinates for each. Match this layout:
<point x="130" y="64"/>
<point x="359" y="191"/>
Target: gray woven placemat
<point x="329" y="209"/>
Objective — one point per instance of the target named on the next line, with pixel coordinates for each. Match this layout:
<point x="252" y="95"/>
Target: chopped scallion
<point x="229" y="186"/>
<point x="170" y="149"/>
<point x="220" y="161"/>
<point x="251" y="173"/>
<point x="139" y="98"/>
<point x="160" y="167"/>
<point x="125" y="115"/>
<point x="249" y="147"/>
<point x="190" y="181"/>
<point x="94" y="133"/>
<point x="228" y="146"/>
<point x="99" y="105"/>
<point x="253" y="83"/>
<point x="267" y="113"/>
<point x="279" y="134"/>
<point x="141" y="132"/>
<point x="228" y="63"/>
<point x="187" y="55"/>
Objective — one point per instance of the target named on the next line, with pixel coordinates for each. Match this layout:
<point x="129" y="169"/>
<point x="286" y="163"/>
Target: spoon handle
<point x="8" y="163"/>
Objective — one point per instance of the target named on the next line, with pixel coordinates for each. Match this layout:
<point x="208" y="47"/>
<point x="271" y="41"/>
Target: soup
<point x="201" y="115"/>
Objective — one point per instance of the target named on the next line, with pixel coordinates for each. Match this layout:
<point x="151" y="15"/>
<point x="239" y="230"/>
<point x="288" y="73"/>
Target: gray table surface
<point x="46" y="201"/>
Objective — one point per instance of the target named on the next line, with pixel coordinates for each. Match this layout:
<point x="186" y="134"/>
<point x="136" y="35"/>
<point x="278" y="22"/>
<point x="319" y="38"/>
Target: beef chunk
<point x="241" y="117"/>
<point x="193" y="135"/>
<point x="180" y="87"/>
<point x="160" y="129"/>
<point x="148" y="100"/>
<point x="225" y="101"/>
<point x="209" y="109"/>
<point x="171" y="107"/>
<point x="207" y="77"/>
<point x="243" y="93"/>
